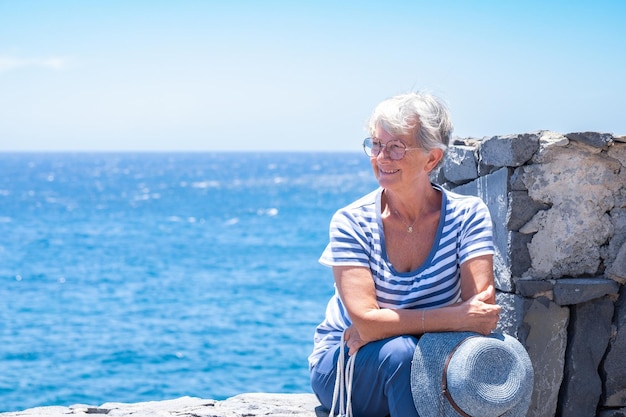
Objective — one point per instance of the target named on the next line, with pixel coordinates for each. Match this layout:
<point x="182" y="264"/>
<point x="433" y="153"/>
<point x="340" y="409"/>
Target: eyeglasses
<point x="395" y="148"/>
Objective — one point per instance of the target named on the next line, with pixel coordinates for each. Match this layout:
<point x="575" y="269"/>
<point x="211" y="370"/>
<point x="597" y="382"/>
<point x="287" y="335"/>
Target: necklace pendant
<point x="409" y="229"/>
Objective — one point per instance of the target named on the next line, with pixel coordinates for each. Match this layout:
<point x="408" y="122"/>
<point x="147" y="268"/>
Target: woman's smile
<point x="387" y="171"/>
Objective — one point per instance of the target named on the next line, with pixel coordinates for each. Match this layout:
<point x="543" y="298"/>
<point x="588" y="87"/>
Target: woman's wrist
<point x="449" y="319"/>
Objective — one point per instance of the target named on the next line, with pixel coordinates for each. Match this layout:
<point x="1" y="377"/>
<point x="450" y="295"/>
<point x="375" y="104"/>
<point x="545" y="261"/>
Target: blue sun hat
<point x="470" y="375"/>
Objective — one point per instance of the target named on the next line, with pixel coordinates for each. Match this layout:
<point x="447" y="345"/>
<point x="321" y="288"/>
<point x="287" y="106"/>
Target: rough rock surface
<point x="244" y="405"/>
<point x="545" y="325"/>
<point x="589" y="333"/>
<point x="614" y="365"/>
<point x="562" y="245"/>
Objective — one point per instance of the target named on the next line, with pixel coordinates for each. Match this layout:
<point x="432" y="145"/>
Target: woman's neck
<point x="410" y="208"/>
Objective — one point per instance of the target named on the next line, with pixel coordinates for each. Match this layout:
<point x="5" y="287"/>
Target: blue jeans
<point x="382" y="378"/>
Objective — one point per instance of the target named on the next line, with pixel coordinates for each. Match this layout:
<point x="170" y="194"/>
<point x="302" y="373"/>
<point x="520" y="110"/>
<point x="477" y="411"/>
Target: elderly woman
<point x="408" y="258"/>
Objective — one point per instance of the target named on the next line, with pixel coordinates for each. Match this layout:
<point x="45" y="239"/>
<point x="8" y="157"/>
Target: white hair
<point x="421" y="115"/>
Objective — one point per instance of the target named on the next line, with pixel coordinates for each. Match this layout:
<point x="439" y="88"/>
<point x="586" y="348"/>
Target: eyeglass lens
<point x="395" y="148"/>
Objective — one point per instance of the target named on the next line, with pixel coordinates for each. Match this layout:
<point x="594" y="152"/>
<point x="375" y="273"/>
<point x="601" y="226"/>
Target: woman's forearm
<point x="476" y="314"/>
<point x="383" y="323"/>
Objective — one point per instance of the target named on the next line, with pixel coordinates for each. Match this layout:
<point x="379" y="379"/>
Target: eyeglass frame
<point x="383" y="147"/>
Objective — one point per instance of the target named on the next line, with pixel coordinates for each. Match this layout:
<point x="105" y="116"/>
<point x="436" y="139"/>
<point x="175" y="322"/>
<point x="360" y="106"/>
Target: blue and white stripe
<point x="357" y="239"/>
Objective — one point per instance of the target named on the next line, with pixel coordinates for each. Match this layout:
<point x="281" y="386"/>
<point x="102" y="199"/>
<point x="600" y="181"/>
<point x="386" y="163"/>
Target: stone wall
<point x="558" y="204"/>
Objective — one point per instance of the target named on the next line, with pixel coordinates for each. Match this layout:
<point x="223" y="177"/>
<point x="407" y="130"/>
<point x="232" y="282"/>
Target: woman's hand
<point x="353" y="339"/>
<point x="478" y="314"/>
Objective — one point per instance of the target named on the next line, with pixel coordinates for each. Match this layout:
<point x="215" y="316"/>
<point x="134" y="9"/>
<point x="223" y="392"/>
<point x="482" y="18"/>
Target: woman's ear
<point x="434" y="156"/>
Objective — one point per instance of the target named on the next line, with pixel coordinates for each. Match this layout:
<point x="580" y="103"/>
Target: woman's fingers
<point x="353" y="340"/>
<point x="482" y="317"/>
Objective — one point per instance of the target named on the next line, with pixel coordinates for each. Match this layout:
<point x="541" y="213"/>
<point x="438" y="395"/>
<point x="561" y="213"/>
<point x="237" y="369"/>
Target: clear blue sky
<point x="299" y="75"/>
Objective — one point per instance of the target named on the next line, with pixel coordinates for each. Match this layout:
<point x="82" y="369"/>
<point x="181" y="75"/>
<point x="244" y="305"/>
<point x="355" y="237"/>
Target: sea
<point x="130" y="277"/>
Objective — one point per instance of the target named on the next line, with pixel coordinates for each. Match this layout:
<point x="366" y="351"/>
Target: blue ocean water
<point x="147" y="276"/>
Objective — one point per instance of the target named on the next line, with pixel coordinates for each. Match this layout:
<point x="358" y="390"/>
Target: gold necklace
<point x="409" y="228"/>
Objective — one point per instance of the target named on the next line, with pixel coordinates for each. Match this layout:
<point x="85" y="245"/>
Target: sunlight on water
<point x="139" y="277"/>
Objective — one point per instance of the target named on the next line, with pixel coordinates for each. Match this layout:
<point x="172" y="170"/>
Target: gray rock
<point x="590" y="329"/>
<point x="518" y="255"/>
<point x="595" y="139"/>
<point x="508" y="151"/>
<point x="512" y="313"/>
<point x="492" y="189"/>
<point x="278" y="405"/>
<point x="473" y="142"/>
<point x="549" y="139"/>
<point x="460" y="164"/>
<point x="545" y="333"/>
<point x="569" y="291"/>
<point x="580" y="187"/>
<point x="522" y="209"/>
<point x="535" y="288"/>
<point x="508" y="211"/>
<point x="612" y="413"/>
<point x="516" y="182"/>
<point x="617" y="271"/>
<point x="614" y="365"/>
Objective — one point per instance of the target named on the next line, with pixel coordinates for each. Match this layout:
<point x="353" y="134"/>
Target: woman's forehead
<point x="383" y="134"/>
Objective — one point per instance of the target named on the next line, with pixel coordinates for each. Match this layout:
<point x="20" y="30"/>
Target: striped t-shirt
<point x="357" y="239"/>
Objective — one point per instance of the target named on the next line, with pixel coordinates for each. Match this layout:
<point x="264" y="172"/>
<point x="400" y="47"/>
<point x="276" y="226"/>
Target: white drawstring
<point x="343" y="383"/>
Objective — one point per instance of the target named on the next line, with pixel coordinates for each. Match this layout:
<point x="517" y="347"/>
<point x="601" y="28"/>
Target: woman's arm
<point x="477" y="276"/>
<point x="476" y="313"/>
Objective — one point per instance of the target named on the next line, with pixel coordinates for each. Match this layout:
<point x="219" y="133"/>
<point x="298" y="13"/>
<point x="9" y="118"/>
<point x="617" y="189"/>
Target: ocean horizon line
<point x="159" y="151"/>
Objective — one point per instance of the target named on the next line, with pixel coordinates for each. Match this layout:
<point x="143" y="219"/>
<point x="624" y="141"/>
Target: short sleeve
<point x="476" y="236"/>
<point x="348" y="244"/>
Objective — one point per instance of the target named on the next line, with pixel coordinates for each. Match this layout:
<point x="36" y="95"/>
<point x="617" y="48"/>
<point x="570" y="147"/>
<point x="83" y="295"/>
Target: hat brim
<point x="428" y="365"/>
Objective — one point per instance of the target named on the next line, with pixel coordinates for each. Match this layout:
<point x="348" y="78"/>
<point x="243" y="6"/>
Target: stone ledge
<point x="569" y="291"/>
<point x="243" y="405"/>
<point x="579" y="290"/>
